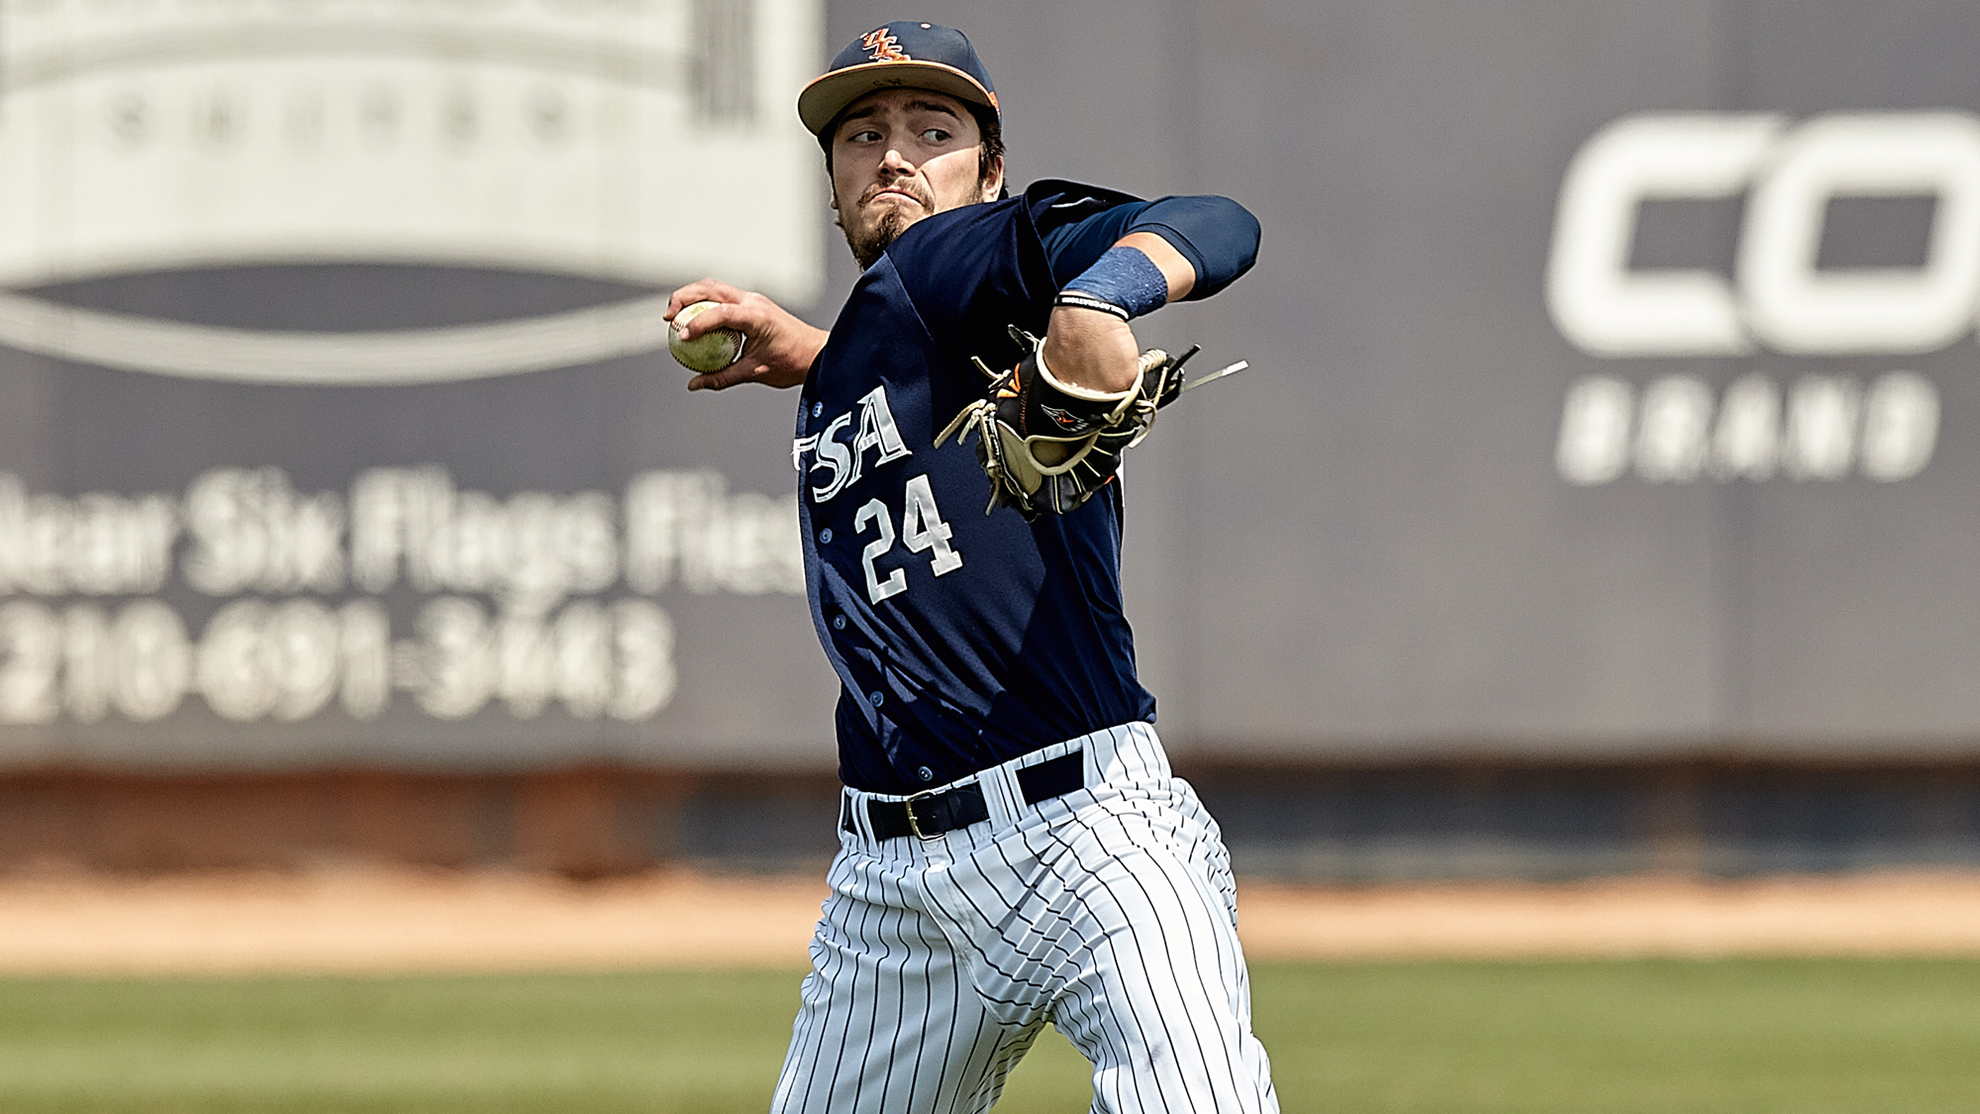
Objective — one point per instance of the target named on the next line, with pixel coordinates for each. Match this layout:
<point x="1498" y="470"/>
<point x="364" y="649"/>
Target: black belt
<point x="931" y="814"/>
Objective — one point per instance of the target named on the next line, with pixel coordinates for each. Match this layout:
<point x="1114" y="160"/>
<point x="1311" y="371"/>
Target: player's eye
<point x="863" y="135"/>
<point x="935" y="136"/>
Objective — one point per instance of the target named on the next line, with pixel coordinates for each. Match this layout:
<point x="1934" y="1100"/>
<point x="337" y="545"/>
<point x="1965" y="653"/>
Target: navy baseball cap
<point x="905" y="54"/>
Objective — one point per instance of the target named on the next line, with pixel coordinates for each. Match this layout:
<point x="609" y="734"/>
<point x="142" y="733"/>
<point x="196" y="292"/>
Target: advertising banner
<point x="1617" y="385"/>
<point x="336" y="422"/>
<point x="1613" y="374"/>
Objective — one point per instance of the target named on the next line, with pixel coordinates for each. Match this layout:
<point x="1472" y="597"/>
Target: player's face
<point x="899" y="155"/>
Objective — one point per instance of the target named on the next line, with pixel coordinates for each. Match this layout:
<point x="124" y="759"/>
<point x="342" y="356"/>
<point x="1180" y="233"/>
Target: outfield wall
<point x="1343" y="823"/>
<point x="1613" y="389"/>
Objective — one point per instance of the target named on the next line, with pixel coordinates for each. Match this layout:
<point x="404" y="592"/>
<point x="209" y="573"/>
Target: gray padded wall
<point x="1376" y="542"/>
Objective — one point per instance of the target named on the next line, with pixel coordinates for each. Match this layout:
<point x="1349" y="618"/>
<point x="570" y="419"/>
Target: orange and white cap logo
<point x="885" y="47"/>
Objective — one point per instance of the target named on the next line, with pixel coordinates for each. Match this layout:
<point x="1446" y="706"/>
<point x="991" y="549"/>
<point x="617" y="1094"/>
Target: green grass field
<point x="1751" y="1037"/>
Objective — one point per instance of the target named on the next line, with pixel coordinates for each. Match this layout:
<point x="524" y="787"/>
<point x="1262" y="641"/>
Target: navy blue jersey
<point x="962" y="640"/>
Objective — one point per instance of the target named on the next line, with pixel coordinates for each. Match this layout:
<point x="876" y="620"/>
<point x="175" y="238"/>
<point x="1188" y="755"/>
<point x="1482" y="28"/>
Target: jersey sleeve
<point x="1218" y="236"/>
<point x="968" y="274"/>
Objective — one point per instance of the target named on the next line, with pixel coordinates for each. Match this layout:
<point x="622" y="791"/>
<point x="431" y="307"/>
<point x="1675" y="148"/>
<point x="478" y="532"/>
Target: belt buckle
<point x="914" y="825"/>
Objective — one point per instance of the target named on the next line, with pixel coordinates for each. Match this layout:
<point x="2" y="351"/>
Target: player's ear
<point x="993" y="182"/>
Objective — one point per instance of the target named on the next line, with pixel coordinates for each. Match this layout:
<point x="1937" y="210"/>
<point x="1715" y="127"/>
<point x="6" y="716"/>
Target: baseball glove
<point x="1048" y="446"/>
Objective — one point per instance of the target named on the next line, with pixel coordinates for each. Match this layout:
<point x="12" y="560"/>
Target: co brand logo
<point x="1778" y="298"/>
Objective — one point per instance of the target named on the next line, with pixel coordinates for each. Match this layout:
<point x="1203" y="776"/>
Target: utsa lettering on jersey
<point x="1014" y="849"/>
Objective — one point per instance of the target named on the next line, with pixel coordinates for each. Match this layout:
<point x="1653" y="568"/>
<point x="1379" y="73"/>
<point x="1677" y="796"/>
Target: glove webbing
<point x="1088" y="461"/>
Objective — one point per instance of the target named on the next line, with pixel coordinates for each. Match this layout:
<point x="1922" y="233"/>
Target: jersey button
<point x="817" y="408"/>
<point x="838" y="622"/>
<point x="825" y="536"/>
<point x="926" y="774"/>
<point x="875" y="699"/>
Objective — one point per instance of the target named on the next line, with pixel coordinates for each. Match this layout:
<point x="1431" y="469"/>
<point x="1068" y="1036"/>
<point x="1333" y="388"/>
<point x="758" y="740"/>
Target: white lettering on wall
<point x="544" y="636"/>
<point x="1674" y="430"/>
<point x="532" y="548"/>
<point x="595" y="661"/>
<point x="258" y="660"/>
<point x="1595" y="422"/>
<point x="94" y="544"/>
<point x="1793" y="307"/>
<point x="250" y="531"/>
<point x="1597" y="301"/>
<point x="287" y="660"/>
<point x="1779" y="297"/>
<point x="684" y="525"/>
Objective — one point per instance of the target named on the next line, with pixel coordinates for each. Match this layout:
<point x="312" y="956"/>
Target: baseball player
<point x="1014" y="849"/>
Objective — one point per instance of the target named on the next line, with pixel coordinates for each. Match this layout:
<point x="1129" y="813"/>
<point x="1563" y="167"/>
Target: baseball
<point x="711" y="351"/>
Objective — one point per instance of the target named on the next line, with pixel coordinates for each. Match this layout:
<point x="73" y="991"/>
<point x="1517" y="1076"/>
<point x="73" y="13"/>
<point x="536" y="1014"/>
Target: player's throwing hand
<point x="781" y="347"/>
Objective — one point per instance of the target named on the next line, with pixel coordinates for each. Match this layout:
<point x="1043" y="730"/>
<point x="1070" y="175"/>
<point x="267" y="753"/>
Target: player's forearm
<point x="1088" y="343"/>
<point x="1090" y="350"/>
<point x="1175" y="248"/>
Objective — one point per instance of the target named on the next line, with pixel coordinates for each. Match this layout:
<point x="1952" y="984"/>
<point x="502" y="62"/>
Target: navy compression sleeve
<point x="1218" y="236"/>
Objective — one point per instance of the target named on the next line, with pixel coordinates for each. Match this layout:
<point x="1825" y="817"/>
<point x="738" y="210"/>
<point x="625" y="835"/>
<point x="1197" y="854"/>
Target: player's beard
<point x="867" y="246"/>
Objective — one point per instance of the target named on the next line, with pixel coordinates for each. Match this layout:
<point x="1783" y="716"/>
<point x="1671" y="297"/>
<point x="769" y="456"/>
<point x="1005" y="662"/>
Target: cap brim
<point x="821" y="101"/>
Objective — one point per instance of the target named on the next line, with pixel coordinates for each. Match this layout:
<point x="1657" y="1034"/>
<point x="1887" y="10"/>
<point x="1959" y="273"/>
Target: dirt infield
<point x="413" y="921"/>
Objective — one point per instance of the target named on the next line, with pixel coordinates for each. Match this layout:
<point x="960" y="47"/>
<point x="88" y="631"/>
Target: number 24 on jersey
<point x="922" y="531"/>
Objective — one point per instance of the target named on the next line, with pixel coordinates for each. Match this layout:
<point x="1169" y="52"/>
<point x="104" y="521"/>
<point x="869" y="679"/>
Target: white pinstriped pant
<point x="1109" y="912"/>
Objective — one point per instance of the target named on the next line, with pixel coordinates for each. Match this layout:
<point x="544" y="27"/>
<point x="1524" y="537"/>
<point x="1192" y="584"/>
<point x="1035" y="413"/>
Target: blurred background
<point x="1599" y="500"/>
